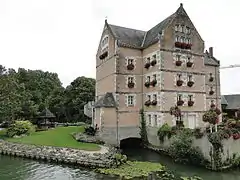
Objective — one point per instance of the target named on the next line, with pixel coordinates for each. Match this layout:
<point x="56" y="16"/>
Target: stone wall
<point x="230" y="145"/>
<point x="60" y="155"/>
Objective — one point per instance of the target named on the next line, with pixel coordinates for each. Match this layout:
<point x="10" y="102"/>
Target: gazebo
<point x="45" y="119"/>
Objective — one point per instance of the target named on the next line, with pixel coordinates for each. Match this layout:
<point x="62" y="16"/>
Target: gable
<point x="233" y="101"/>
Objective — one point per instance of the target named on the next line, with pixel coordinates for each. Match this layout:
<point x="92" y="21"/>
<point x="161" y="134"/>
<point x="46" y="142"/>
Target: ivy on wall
<point x="143" y="129"/>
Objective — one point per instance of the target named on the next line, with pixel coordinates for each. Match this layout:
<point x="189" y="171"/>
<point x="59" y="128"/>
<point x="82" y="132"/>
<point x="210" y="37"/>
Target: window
<point x="189" y="77"/>
<point x="190" y="97"/>
<point x="130" y="100"/>
<point x="130" y="79"/>
<point x="154" y="77"/>
<point x="189" y="59"/>
<point x="211" y="88"/>
<point x="155" y="97"/>
<point x="155" y="120"/>
<point x="149" y="120"/>
<point x="179" y="76"/>
<point x="148" y="60"/>
<point x="149" y="97"/>
<point x="181" y="28"/>
<point x="130" y="61"/>
<point x="179" y="97"/>
<point x="188" y="30"/>
<point x="178" y="57"/>
<point x="182" y="40"/>
<point x="176" y="27"/>
<point x="177" y="39"/>
<point x="105" y="41"/>
<point x="154" y="57"/>
<point x="148" y="79"/>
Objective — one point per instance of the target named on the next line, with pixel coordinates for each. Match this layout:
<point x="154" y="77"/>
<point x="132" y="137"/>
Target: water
<point x="24" y="169"/>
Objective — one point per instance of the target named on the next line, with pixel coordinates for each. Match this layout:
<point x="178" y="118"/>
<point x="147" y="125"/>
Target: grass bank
<point x="58" y="137"/>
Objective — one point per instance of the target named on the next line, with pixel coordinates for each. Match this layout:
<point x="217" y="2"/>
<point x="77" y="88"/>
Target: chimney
<point x="211" y="51"/>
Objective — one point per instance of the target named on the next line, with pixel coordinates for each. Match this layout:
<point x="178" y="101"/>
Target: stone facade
<point x="122" y="59"/>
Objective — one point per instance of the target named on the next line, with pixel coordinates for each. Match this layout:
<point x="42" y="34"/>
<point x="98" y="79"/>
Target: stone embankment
<point x="104" y="158"/>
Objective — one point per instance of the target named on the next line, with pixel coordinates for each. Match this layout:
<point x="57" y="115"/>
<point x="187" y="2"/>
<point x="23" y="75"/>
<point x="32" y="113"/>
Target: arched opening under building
<point x="130" y="143"/>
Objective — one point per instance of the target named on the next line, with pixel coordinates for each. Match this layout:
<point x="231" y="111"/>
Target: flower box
<point x="153" y="62"/>
<point x="147" y="84"/>
<point x="190" y="83"/>
<point x="178" y="63"/>
<point x="154" y="103"/>
<point x="130" y="66"/>
<point x="131" y="84"/>
<point x="190" y="103"/>
<point x="180" y="102"/>
<point x="153" y="82"/>
<point x="189" y="64"/>
<point x="178" y="44"/>
<point x="147" y="65"/>
<point x="211" y="79"/>
<point x="179" y="82"/>
<point x="148" y="103"/>
<point x="211" y="92"/>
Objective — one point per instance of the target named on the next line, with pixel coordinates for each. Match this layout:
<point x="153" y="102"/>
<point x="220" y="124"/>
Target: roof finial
<point x="105" y="19"/>
<point x="181" y="4"/>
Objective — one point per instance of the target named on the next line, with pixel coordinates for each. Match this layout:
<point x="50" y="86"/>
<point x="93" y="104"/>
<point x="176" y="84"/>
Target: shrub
<point x="164" y="130"/>
<point x="20" y="127"/>
<point x="90" y="131"/>
<point x="182" y="150"/>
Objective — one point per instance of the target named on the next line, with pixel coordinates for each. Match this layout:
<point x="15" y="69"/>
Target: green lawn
<point x="58" y="137"/>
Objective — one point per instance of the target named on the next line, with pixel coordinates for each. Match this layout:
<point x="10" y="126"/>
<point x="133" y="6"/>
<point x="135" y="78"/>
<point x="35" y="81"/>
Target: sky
<point x="62" y="36"/>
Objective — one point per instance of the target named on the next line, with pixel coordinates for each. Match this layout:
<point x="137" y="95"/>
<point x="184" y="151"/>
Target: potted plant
<point x="190" y="83"/>
<point x="153" y="82"/>
<point x="178" y="63"/>
<point x="189" y="64"/>
<point x="131" y="84"/>
<point x="211" y="92"/>
<point x="147" y="65"/>
<point x="179" y="82"/>
<point x="148" y="103"/>
<point x="154" y="103"/>
<point x="130" y="66"/>
<point x="190" y="103"/>
<point x="180" y="102"/>
<point x="153" y="62"/>
<point x="211" y="79"/>
<point x="147" y="84"/>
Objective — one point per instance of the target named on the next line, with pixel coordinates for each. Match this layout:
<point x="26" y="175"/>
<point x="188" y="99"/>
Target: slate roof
<point x="212" y="61"/>
<point x="223" y="100"/>
<point x="46" y="113"/>
<point x="233" y="101"/>
<point x="106" y="101"/>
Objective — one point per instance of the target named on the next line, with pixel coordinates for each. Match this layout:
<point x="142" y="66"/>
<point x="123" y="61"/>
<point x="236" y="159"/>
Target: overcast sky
<point x="62" y="35"/>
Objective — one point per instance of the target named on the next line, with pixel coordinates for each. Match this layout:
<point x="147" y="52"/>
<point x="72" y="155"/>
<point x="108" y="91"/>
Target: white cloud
<point x="62" y="35"/>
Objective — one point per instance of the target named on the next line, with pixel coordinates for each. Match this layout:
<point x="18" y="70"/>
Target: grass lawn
<point x="58" y="137"/>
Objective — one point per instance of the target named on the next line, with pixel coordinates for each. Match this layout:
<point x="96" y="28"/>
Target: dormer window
<point x="130" y="79"/>
<point x="181" y="28"/>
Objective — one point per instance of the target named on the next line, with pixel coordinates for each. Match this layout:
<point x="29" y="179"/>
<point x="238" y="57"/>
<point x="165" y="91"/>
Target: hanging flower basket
<point x="148" y="103"/>
<point x="211" y="92"/>
<point x="212" y="105"/>
<point x="153" y="62"/>
<point x="153" y="82"/>
<point x="147" y="65"/>
<point x="131" y="84"/>
<point x="189" y="64"/>
<point x="211" y="79"/>
<point x="218" y="111"/>
<point x="190" y="103"/>
<point x="190" y="83"/>
<point x="130" y="66"/>
<point x="180" y="102"/>
<point x="179" y="82"/>
<point x="154" y="103"/>
<point x="178" y="63"/>
<point x="236" y="136"/>
<point x="147" y="84"/>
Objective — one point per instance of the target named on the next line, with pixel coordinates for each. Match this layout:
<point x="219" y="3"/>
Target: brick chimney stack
<point x="211" y="51"/>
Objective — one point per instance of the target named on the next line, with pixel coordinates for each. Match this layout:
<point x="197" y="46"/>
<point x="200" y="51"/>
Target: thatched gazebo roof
<point x="47" y="114"/>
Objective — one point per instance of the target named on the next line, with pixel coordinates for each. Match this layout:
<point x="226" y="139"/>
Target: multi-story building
<point x="153" y="70"/>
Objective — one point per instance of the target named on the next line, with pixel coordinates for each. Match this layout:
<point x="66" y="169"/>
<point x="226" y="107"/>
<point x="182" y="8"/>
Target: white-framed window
<point x="188" y="30"/>
<point x="130" y="79"/>
<point x="178" y="56"/>
<point x="130" y="61"/>
<point x="181" y="28"/>
<point x="155" y="120"/>
<point x="154" y="57"/>
<point x="177" y="39"/>
<point x="189" y="77"/>
<point x="190" y="97"/>
<point x="154" y="77"/>
<point x="179" y="76"/>
<point x="155" y="97"/>
<point x="130" y="100"/>
<point x="149" y="97"/>
<point x="179" y="97"/>
<point x="148" y="78"/>
<point x="104" y="41"/>
<point x="148" y="60"/>
<point x="176" y="27"/>
<point x="182" y="39"/>
<point x="149" y="120"/>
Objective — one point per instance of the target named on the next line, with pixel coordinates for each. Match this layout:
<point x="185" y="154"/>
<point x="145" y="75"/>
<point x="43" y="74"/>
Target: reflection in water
<point x="184" y="170"/>
<point x="24" y="169"/>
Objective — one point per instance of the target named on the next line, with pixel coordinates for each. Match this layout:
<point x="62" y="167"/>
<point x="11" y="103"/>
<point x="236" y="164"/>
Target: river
<point x="12" y="168"/>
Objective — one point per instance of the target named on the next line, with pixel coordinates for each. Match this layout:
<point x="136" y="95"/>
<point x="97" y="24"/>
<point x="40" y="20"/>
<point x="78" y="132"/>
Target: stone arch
<point x="131" y="142"/>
